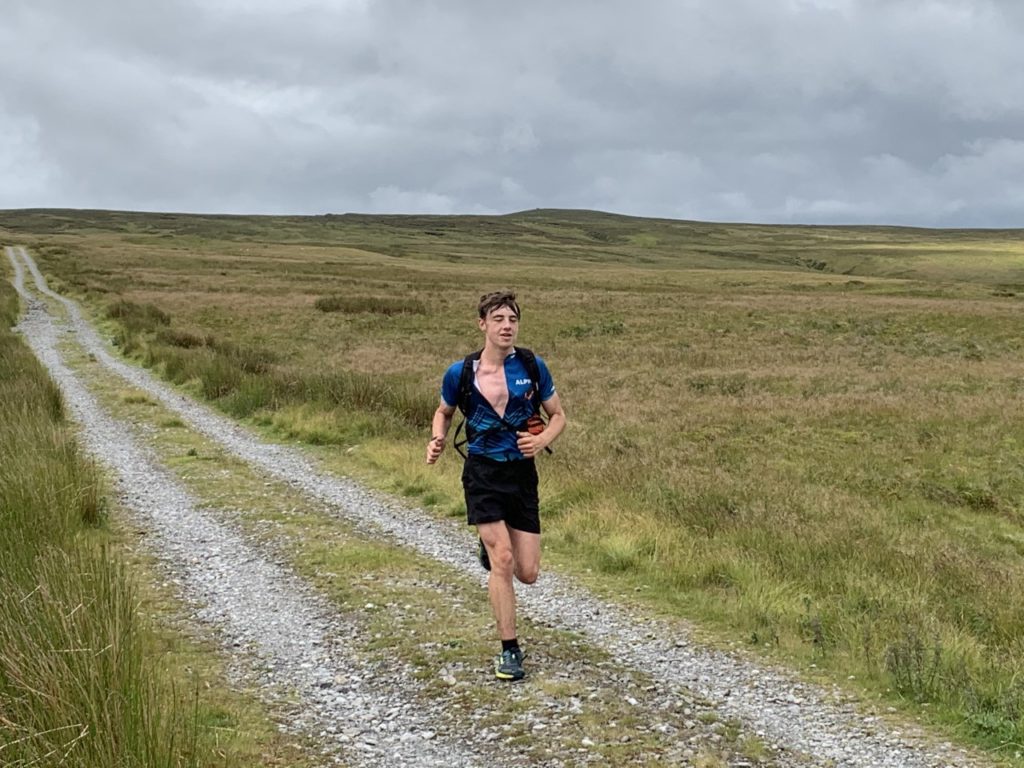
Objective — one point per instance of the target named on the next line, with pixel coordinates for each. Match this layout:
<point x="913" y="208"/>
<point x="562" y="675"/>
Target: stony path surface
<point x="806" y="723"/>
<point x="289" y="633"/>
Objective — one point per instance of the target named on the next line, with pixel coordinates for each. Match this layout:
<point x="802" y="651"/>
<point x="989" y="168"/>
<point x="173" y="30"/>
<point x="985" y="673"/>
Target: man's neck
<point x="495" y="355"/>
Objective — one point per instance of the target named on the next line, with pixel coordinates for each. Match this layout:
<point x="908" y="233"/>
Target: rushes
<point x="72" y="676"/>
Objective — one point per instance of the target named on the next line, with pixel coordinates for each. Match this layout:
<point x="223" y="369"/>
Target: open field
<point x="806" y="439"/>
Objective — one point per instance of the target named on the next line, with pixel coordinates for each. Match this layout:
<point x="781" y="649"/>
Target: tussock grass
<point x="76" y="685"/>
<point x="381" y="305"/>
<point x="137" y="316"/>
<point x="800" y="436"/>
<point x="246" y="379"/>
<point x="73" y="675"/>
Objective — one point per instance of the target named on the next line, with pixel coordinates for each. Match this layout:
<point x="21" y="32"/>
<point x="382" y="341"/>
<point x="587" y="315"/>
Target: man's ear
<point x="482" y="323"/>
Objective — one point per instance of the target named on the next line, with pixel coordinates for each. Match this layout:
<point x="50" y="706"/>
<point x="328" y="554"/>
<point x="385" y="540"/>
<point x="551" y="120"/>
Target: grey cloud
<point x="838" y="110"/>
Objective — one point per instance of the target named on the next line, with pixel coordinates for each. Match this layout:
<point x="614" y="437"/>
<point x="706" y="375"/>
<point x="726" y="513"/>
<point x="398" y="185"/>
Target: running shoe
<point x="481" y="555"/>
<point x="509" y="665"/>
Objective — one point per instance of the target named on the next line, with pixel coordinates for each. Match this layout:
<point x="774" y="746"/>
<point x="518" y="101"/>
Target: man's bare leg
<point x="525" y="554"/>
<point x="498" y="542"/>
<point x="512" y="553"/>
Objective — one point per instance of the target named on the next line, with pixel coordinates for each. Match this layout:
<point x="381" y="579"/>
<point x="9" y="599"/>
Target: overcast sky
<point x="816" y="111"/>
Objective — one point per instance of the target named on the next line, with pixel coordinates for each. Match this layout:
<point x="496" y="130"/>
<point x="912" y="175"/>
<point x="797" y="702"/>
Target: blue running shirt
<point x="492" y="438"/>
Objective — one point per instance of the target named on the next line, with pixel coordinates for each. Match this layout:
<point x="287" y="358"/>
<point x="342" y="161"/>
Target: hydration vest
<point x="534" y="423"/>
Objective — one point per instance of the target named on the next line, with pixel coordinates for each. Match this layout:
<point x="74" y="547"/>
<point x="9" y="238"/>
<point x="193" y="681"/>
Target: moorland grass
<point x="76" y="685"/>
<point x="803" y="437"/>
<point x="244" y="379"/>
<point x="382" y="305"/>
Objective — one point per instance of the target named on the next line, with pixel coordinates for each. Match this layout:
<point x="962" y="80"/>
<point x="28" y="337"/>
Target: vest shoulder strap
<point x="466" y="377"/>
<point x="533" y="371"/>
<point x="466" y="382"/>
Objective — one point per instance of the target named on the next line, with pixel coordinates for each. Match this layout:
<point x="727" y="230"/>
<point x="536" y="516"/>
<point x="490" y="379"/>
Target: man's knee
<point x="528" y="574"/>
<point x="502" y="560"/>
<point x="527" y="569"/>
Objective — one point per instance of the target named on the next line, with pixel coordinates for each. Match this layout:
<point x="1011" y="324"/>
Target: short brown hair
<point x="496" y="299"/>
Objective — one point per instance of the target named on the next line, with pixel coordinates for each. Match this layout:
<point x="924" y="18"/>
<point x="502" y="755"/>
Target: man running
<point x="498" y="396"/>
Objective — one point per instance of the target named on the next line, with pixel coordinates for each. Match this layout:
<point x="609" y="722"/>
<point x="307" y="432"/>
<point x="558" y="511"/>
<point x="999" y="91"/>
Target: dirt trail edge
<point x="796" y="716"/>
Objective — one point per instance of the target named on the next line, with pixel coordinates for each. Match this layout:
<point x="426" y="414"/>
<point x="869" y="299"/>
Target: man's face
<point x="500" y="327"/>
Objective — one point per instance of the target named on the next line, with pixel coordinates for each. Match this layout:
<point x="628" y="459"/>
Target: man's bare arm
<point x="531" y="445"/>
<point x="439" y="430"/>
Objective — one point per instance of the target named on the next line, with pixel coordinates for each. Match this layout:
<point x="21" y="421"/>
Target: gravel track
<point x="288" y="631"/>
<point x="805" y="721"/>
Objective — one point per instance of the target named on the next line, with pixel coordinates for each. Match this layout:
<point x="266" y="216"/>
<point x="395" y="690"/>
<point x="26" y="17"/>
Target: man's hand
<point x="434" y="449"/>
<point x="530" y="445"/>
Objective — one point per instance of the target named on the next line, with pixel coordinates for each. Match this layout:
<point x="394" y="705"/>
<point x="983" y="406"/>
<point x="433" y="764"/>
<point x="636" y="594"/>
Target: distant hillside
<point x="991" y="257"/>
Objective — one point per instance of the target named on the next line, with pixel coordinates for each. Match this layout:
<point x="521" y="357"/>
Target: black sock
<point x="508" y="645"/>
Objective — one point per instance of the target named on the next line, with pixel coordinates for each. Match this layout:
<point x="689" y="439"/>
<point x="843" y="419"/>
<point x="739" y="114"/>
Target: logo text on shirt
<point x="521" y="382"/>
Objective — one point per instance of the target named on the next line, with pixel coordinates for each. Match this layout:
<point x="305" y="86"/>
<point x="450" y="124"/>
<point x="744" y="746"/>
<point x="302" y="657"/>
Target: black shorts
<point x="502" y="490"/>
